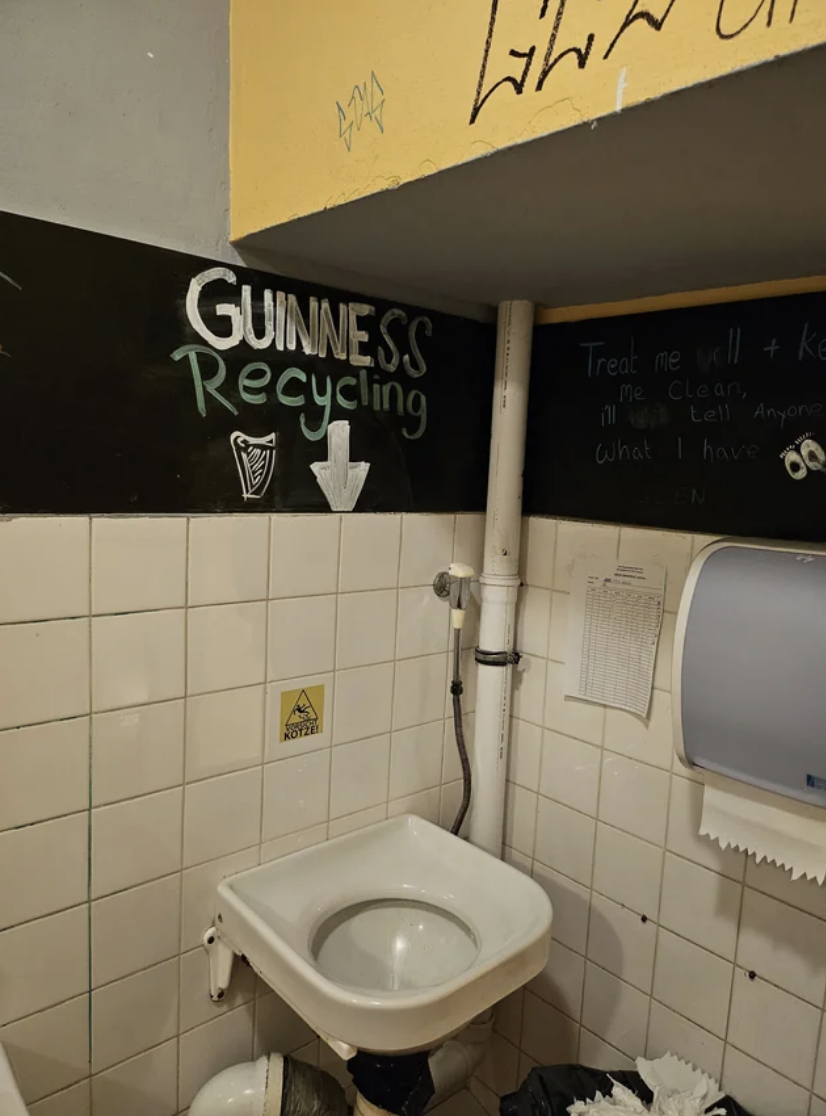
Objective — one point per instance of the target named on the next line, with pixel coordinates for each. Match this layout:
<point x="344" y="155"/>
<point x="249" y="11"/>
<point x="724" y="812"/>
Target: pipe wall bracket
<point x="221" y="957"/>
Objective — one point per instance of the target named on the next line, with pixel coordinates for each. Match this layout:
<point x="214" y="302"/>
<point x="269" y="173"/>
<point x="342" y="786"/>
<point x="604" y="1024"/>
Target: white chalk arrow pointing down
<point x="340" y="479"/>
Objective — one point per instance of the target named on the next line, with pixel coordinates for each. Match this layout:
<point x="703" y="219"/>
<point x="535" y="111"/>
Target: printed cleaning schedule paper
<point x="614" y="622"/>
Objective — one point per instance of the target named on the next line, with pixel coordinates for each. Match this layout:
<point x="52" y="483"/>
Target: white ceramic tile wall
<point x="140" y="762"/>
<point x="661" y="939"/>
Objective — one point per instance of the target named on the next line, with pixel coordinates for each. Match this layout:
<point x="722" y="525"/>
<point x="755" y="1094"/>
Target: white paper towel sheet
<point x="789" y="833"/>
<point x="679" y="1090"/>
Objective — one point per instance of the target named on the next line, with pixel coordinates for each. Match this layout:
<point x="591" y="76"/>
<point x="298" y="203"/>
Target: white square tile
<point x="427" y="547"/>
<point x="524" y="754"/>
<point x="667" y="548"/>
<point x="228" y="558"/>
<point x="50" y="1050"/>
<point x="547" y="1035"/>
<point x="359" y="775"/>
<point x="196" y="1006"/>
<point x="684" y="831"/>
<point x="808" y="895"/>
<point x="206" y="1050"/>
<point x="224" y="732"/>
<point x="692" y="982"/>
<point x="137" y="658"/>
<point x="302" y="636"/>
<point x="293" y="842"/>
<point x="533" y="618"/>
<point x="143" y="1086"/>
<point x="817" y="1107"/>
<point x="148" y="1000"/>
<point x="62" y="749"/>
<point x="634" y="797"/>
<point x="761" y="1090"/>
<point x="33" y="586"/>
<point x="43" y="963"/>
<point x="416" y="759"/>
<point x="665" y="652"/>
<point x="581" y="540"/>
<point x="819" y="1085"/>
<point x="562" y="980"/>
<point x="226" y="646"/>
<point x="469" y="540"/>
<point x="43" y="868"/>
<point x="619" y="941"/>
<point x="628" y="870"/>
<point x="668" y="1031"/>
<point x="558" y="631"/>
<point x="44" y="672"/>
<point x="137" y="751"/>
<point x="536" y="554"/>
<point x="571" y="903"/>
<point x="136" y="841"/>
<point x="282" y="739"/>
<point x="198" y="892"/>
<point x="425" y="805"/>
<point x="500" y="1068"/>
<point x="565" y="840"/>
<point x="520" y="818"/>
<point x="75" y="1101"/>
<point x="507" y="1019"/>
<point x="369" y="552"/>
<point x="570" y="771"/>
<point x="364" y="698"/>
<point x="277" y="1027"/>
<point x="138" y="563"/>
<point x="651" y="741"/>
<point x="595" y="1052"/>
<point x="580" y="719"/>
<point x="614" y="1011"/>
<point x="783" y="945"/>
<point x="528" y="692"/>
<point x="700" y="905"/>
<point x="135" y="929"/>
<point x="361" y="819"/>
<point x="296" y="794"/>
<point x="304" y="555"/>
<point x="424" y="623"/>
<point x="777" y="1029"/>
<point x="366" y="630"/>
<point x="222" y="816"/>
<point x="418" y="692"/>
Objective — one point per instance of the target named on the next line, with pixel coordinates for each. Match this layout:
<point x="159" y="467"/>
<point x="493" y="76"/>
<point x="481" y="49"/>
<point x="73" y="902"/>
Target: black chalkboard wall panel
<point x="139" y="380"/>
<point x="708" y="419"/>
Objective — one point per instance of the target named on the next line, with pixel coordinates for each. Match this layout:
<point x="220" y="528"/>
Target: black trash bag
<point x="549" y="1090"/>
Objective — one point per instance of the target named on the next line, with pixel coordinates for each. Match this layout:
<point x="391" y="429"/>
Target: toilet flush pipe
<point x="500" y="573"/>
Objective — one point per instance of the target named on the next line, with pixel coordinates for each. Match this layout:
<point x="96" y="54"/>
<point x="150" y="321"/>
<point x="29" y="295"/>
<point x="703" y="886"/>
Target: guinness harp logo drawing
<point x="255" y="461"/>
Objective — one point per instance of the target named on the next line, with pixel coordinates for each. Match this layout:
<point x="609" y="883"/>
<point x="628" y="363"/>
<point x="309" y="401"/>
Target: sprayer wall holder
<point x="389" y="939"/>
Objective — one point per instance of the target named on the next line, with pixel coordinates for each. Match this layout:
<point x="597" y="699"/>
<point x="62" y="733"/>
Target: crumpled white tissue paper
<point x="679" y="1090"/>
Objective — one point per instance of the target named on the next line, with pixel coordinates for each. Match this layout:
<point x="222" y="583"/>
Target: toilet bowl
<point x="387" y="940"/>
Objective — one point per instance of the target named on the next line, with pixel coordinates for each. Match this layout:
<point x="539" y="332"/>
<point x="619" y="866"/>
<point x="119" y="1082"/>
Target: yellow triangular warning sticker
<point x="302" y="712"/>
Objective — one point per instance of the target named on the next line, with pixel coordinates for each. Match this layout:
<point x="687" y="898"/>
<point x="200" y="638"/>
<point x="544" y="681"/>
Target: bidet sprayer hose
<point x="458" y="728"/>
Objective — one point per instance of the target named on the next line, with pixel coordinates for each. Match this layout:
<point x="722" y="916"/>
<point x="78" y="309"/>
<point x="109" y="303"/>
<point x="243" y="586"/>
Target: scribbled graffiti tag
<point x="366" y="103"/>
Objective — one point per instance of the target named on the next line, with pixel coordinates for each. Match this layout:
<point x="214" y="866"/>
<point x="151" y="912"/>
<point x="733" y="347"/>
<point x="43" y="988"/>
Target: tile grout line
<point x="90" y="754"/>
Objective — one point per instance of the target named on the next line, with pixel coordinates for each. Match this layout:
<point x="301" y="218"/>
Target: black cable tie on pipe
<point x="497" y="658"/>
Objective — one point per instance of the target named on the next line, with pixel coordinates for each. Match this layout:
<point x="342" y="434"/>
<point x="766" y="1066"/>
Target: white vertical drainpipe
<point x="500" y="572"/>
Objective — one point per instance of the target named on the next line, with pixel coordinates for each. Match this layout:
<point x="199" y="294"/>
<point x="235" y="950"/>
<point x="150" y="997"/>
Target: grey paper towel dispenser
<point x="749" y="667"/>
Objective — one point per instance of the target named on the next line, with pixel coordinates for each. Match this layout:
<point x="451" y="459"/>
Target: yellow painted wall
<point x="336" y="99"/>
